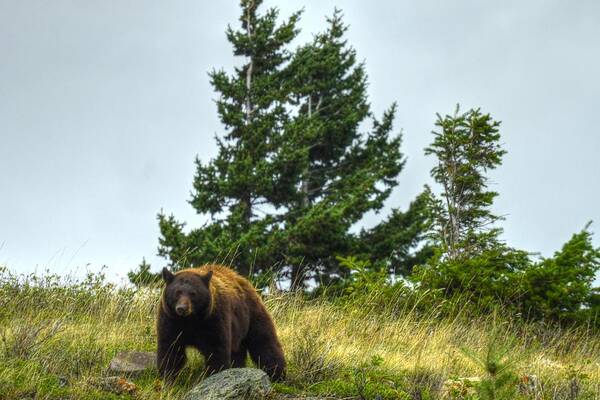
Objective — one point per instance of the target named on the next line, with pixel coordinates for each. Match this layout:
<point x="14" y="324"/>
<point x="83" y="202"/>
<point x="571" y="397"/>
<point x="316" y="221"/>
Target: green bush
<point x="560" y="288"/>
<point x="556" y="289"/>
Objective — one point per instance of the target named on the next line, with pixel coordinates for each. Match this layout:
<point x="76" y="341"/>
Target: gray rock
<point x="232" y="384"/>
<point x="132" y="362"/>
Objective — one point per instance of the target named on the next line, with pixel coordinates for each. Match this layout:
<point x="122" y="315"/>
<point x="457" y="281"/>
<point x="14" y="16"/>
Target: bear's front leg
<point x="217" y="361"/>
<point x="216" y="349"/>
<point x="170" y="355"/>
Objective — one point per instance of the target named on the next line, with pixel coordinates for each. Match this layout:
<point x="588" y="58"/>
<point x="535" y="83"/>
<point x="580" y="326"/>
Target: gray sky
<point x="105" y="104"/>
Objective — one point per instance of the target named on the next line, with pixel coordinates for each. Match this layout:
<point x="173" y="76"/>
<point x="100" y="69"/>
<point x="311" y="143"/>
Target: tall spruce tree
<point x="295" y="170"/>
<point x="252" y="107"/>
<point x="337" y="173"/>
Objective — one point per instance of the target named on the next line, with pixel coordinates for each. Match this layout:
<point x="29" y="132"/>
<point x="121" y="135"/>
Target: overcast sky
<point x="104" y="104"/>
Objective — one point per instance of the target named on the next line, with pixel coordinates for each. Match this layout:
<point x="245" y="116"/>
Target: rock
<point x="232" y="384"/>
<point x="132" y="362"/>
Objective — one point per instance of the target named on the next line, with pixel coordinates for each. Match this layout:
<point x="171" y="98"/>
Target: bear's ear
<point x="206" y="277"/>
<point x="167" y="275"/>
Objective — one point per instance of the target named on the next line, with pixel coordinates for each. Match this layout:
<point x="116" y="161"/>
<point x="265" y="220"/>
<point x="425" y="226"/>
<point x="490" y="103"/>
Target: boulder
<point x="232" y="384"/>
<point x="132" y="362"/>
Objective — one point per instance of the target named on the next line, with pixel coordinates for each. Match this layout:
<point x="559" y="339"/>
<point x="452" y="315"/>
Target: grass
<point x="58" y="336"/>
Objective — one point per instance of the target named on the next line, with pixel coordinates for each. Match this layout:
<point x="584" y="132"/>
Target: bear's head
<point x="187" y="293"/>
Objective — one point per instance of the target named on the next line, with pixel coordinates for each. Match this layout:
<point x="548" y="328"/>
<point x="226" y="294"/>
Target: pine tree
<point x="294" y="171"/>
<point x="142" y="276"/>
<point x="561" y="287"/>
<point x="230" y="188"/>
<point x="467" y="147"/>
<point x="336" y="172"/>
<point x="469" y="258"/>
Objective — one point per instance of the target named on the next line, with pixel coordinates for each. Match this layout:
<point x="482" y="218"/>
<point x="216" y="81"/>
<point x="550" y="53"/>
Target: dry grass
<point x="56" y="337"/>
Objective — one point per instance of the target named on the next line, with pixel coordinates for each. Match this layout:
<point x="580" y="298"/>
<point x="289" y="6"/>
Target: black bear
<point x="218" y="312"/>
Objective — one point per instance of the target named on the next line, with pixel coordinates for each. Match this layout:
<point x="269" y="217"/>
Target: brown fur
<point x="222" y="316"/>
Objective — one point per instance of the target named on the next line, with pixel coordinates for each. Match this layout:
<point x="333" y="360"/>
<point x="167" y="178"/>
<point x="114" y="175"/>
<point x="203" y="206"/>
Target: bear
<point x="220" y="313"/>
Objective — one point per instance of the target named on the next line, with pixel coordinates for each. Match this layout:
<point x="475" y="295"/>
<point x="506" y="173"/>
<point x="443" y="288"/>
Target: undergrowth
<point x="57" y="337"/>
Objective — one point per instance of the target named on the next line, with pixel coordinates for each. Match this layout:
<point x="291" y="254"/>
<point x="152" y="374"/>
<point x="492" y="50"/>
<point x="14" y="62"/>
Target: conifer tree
<point x="469" y="258"/>
<point x="561" y="287"/>
<point x="230" y="188"/>
<point x="336" y="172"/>
<point x="467" y="147"/>
<point x="295" y="168"/>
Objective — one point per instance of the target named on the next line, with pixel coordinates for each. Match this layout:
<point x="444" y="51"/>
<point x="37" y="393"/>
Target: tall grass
<point x="57" y="337"/>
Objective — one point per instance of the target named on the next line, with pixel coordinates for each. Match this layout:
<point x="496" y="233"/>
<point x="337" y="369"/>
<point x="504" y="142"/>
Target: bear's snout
<point x="183" y="307"/>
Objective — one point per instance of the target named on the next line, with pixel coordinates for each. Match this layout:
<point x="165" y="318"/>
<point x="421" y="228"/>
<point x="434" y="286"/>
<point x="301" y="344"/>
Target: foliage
<point x="231" y="188"/>
<point x="500" y="382"/>
<point x="487" y="278"/>
<point x="468" y="256"/>
<point x="560" y="288"/>
<point x="143" y="277"/>
<point x="382" y="349"/>
<point x="294" y="170"/>
<point x="467" y="146"/>
<point x="399" y="242"/>
<point x="362" y="278"/>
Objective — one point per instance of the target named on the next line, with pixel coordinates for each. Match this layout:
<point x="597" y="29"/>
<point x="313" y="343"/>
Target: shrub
<point x="560" y="288"/>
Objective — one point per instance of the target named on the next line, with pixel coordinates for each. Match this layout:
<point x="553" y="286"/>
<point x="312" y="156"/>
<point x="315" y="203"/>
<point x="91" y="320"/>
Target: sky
<point x="104" y="105"/>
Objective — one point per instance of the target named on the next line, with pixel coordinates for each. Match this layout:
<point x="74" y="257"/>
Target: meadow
<point x="57" y="337"/>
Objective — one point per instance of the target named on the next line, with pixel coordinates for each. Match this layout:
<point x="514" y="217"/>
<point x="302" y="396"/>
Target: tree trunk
<point x="245" y="201"/>
<point x="248" y="72"/>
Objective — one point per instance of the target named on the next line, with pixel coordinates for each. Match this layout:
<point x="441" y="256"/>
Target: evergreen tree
<point x="252" y="107"/>
<point x="467" y="147"/>
<point x="560" y="287"/>
<point x="143" y="277"/>
<point x="469" y="258"/>
<point x="335" y="172"/>
<point x="294" y="170"/>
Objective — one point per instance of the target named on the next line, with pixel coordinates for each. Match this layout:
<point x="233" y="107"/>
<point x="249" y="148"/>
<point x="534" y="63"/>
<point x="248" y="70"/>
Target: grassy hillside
<point x="57" y="338"/>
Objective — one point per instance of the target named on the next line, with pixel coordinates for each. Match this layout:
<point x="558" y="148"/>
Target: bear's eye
<point x="192" y="294"/>
<point x="178" y="293"/>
